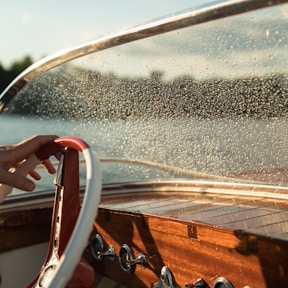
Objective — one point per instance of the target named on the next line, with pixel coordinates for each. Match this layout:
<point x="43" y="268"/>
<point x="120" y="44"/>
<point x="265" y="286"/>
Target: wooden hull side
<point x="191" y="251"/>
<point x="191" y="248"/>
<point x="22" y="228"/>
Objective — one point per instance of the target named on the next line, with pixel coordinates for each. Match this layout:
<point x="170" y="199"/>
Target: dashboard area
<point x="190" y="252"/>
<point x="187" y="251"/>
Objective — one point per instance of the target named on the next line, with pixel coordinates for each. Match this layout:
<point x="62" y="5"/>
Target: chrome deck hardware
<point x="127" y="260"/>
<point x="98" y="249"/>
<point x="166" y="279"/>
<point x="222" y="282"/>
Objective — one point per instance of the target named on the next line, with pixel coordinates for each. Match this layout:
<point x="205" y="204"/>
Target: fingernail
<point x="28" y="185"/>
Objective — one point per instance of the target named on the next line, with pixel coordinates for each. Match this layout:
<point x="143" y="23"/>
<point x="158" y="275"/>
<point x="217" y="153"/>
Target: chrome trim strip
<point x="28" y="199"/>
<point x="180" y="185"/>
<point x="207" y="12"/>
<point x="186" y="186"/>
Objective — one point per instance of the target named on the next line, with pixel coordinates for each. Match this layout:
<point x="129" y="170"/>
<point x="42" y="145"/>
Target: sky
<point x="38" y="28"/>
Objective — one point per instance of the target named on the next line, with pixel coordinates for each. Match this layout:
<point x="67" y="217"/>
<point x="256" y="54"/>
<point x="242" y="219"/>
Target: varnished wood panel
<point x="191" y="250"/>
<point x="256" y="214"/>
<point x="26" y="227"/>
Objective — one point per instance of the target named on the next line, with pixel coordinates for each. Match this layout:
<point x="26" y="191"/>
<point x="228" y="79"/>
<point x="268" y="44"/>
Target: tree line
<point x="7" y="75"/>
<point x="77" y="94"/>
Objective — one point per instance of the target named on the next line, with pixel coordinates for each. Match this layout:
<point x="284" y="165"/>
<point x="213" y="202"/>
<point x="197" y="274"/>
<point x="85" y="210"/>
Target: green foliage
<point x="19" y="66"/>
<point x="7" y="75"/>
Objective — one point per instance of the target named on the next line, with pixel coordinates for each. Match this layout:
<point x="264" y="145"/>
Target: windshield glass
<point x="205" y="102"/>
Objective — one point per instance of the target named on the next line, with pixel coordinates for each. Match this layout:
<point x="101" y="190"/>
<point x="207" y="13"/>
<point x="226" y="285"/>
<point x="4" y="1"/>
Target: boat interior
<point x="173" y="171"/>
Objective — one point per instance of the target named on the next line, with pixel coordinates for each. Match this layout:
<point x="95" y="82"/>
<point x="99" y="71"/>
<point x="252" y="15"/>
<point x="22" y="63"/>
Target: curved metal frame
<point x="204" y="13"/>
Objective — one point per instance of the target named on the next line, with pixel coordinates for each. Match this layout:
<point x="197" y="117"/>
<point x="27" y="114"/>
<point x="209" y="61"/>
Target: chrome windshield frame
<point x="194" y="16"/>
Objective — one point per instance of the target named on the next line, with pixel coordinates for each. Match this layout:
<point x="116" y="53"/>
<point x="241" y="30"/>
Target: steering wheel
<point x="71" y="226"/>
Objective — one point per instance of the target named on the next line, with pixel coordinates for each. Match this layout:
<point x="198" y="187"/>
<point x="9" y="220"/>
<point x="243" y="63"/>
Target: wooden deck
<point x="198" y="235"/>
<point x="251" y="212"/>
<point x="198" y="231"/>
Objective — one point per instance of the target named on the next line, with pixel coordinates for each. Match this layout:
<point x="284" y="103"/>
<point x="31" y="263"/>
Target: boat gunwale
<point x="268" y="192"/>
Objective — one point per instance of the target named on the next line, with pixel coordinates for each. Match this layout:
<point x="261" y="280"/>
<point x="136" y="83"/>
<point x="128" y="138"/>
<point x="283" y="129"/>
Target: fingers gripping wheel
<point x="71" y="226"/>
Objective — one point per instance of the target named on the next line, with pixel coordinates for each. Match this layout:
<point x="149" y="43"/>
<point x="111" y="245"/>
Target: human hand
<point x="16" y="155"/>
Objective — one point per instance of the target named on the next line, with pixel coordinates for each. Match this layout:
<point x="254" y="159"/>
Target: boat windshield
<point x="207" y="102"/>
